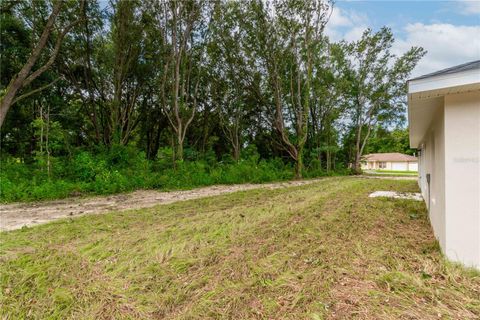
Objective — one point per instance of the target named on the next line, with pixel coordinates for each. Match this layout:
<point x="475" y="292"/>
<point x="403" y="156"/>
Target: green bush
<point x="121" y="169"/>
<point x="85" y="167"/>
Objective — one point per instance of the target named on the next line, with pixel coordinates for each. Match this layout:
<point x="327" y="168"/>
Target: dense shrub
<point x="121" y="169"/>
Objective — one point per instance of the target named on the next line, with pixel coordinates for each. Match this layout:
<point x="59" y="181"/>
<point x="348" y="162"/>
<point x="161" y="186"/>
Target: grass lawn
<point x="393" y="172"/>
<point x="321" y="251"/>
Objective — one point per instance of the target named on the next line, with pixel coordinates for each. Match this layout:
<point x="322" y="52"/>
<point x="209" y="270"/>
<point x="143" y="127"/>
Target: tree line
<point x="198" y="77"/>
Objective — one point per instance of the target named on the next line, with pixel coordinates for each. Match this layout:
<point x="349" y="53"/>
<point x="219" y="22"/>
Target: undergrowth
<point x="123" y="169"/>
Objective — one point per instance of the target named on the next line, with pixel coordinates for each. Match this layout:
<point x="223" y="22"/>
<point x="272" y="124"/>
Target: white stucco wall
<point x="413" y="166"/>
<point x="450" y="152"/>
<point x="432" y="161"/>
<point x="399" y="166"/>
<point x="462" y="177"/>
<point x="404" y="166"/>
<point x="444" y="121"/>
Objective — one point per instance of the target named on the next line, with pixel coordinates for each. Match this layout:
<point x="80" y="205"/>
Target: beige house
<point x="389" y="161"/>
<point x="444" y="120"/>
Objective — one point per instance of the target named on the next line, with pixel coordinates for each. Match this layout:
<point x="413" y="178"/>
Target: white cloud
<point x="354" y="33"/>
<point x="345" y="25"/>
<point x="339" y="19"/>
<point x="447" y="45"/>
<point x="469" y="7"/>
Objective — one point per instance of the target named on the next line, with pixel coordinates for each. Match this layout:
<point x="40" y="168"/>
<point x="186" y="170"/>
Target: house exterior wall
<point x="444" y="123"/>
<point x="399" y="166"/>
<point x="413" y="166"/>
<point x="365" y="165"/>
<point x="432" y="162"/>
<point x="462" y="177"/>
<point x="453" y="195"/>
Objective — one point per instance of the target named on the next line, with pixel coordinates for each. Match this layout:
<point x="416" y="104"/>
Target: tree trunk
<point x="356" y="164"/>
<point x="156" y="146"/>
<point x="329" y="160"/>
<point x="320" y="158"/>
<point x="5" y="105"/>
<point x="236" y="153"/>
<point x="299" y="166"/>
<point x="236" y="146"/>
<point x="179" y="153"/>
<point x="357" y="169"/>
<point x="172" y="141"/>
<point x="299" y="162"/>
<point x="47" y="149"/>
<point x="329" y="153"/>
<point x="41" y="131"/>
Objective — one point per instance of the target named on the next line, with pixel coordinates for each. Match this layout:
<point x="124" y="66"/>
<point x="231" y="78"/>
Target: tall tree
<point x="326" y="106"/>
<point x="111" y="72"/>
<point x="85" y="65"/>
<point x="128" y="78"/>
<point x="377" y="90"/>
<point x="288" y="34"/>
<point x="231" y="74"/>
<point x="216" y="77"/>
<point x="184" y="28"/>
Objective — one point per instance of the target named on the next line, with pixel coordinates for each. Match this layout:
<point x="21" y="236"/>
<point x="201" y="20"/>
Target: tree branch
<point x="56" y="49"/>
<point x="25" y="95"/>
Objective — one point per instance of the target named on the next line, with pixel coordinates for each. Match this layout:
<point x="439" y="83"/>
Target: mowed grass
<point x="321" y="251"/>
<point x="391" y="172"/>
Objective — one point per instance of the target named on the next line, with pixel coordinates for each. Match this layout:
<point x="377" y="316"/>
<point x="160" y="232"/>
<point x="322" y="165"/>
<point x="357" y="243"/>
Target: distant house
<point x="389" y="161"/>
<point x="444" y="121"/>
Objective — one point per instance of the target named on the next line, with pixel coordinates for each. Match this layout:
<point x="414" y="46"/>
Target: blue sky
<point x="397" y="13"/>
<point x="448" y="30"/>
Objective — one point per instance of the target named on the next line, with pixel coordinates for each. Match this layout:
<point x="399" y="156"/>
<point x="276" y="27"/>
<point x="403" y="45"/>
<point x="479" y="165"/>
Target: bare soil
<point x="16" y="215"/>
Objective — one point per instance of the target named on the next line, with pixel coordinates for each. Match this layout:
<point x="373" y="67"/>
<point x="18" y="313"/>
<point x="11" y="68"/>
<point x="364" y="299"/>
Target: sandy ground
<point x="16" y="215"/>
<point x="397" y="195"/>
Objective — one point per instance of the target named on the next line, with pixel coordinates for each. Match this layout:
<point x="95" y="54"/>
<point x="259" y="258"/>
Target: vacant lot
<point x="17" y="215"/>
<point x="319" y="251"/>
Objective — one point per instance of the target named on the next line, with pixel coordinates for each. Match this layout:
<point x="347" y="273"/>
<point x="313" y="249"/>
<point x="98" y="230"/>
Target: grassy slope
<point x="312" y="252"/>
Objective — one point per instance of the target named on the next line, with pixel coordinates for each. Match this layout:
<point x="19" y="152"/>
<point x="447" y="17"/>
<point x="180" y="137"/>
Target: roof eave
<point x="444" y="81"/>
<point x="427" y="94"/>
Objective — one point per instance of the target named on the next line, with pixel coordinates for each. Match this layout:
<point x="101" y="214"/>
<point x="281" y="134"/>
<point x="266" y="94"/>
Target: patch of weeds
<point x="414" y="215"/>
<point x="397" y="281"/>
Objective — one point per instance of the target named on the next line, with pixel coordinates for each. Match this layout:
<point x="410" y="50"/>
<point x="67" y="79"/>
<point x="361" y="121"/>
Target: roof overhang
<point x="426" y="96"/>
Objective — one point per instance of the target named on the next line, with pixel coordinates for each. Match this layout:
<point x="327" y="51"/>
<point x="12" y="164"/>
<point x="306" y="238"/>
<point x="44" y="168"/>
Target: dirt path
<point x="16" y="215"/>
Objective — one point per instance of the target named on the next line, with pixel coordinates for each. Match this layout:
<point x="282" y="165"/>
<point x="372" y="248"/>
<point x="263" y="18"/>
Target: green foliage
<point x="383" y="140"/>
<point x="139" y="85"/>
<point x="123" y="168"/>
